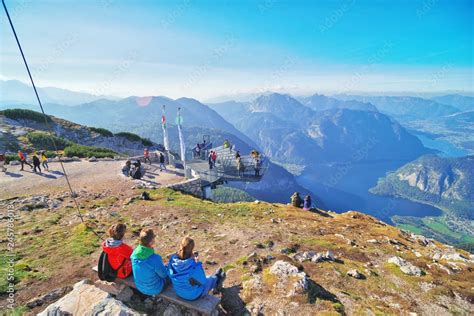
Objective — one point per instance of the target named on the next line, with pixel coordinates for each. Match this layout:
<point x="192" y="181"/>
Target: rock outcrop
<point x="87" y="299"/>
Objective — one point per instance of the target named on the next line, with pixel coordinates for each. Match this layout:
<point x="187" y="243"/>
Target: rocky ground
<point x="279" y="259"/>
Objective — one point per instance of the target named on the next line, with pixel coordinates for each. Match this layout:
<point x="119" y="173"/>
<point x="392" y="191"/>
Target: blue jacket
<point x="307" y="204"/>
<point x="149" y="271"/>
<point x="181" y="272"/>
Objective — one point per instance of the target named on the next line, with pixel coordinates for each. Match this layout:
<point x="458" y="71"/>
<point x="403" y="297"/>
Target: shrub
<point x="147" y="142"/>
<point x="135" y="138"/>
<point x="88" y="151"/>
<point x="130" y="136"/>
<point x="11" y="157"/>
<point x="16" y="114"/>
<point x="42" y="141"/>
<point x="102" y="131"/>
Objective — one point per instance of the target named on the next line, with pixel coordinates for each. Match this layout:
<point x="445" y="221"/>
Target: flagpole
<point x="179" y="121"/>
<point x="165" y="132"/>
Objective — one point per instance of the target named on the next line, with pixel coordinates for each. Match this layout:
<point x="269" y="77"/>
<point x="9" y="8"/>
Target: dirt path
<point x="96" y="176"/>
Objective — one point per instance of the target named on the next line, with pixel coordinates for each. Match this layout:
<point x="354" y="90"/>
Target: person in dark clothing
<point x="257" y="166"/>
<point x="36" y="163"/>
<point x="296" y="199"/>
<point x="197" y="151"/>
<point x="162" y="162"/>
<point x="209" y="159"/>
<point x="307" y="203"/>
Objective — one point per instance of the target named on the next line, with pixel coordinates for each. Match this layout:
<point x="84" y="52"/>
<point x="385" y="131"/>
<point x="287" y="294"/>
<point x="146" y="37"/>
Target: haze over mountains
<point x="335" y="148"/>
<point x="16" y="92"/>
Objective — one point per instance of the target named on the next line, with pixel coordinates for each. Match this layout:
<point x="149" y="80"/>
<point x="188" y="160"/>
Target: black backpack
<point x="105" y="270"/>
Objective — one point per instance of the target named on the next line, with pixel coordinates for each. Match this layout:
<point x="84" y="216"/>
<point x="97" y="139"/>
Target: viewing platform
<point x="226" y="167"/>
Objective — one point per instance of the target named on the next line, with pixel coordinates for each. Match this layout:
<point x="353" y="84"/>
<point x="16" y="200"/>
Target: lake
<point x="345" y="187"/>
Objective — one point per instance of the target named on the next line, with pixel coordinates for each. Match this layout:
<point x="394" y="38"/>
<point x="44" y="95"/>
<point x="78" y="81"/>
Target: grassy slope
<point x="55" y="249"/>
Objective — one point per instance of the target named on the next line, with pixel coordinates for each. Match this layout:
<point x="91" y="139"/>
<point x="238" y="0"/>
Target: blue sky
<point x="205" y="49"/>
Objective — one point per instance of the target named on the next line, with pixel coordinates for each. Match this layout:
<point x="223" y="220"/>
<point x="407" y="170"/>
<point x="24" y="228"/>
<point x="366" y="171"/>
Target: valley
<point x="333" y="148"/>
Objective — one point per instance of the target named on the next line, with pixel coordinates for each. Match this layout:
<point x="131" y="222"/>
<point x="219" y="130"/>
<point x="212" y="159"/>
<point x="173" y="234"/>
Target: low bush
<point x="135" y="138"/>
<point x="16" y="114"/>
<point x="88" y="151"/>
<point x="102" y="131"/>
<point x="11" y="157"/>
<point x="44" y="141"/>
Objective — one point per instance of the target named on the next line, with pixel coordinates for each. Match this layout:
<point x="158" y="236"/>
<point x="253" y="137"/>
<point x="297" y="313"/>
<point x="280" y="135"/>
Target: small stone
<point x="211" y="262"/>
<point x="355" y="274"/>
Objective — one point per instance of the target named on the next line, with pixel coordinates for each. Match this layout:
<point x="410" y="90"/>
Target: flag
<point x="179" y="121"/>
<point x="165" y="130"/>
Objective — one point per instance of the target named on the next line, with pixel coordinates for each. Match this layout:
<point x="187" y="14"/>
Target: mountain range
<point x="334" y="148"/>
<point x="16" y="92"/>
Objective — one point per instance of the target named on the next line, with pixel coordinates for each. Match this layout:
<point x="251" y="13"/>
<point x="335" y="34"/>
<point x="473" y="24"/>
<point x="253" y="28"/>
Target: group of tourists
<point x="256" y="162"/>
<point x="133" y="167"/>
<point x="38" y="159"/>
<point x="296" y="201"/>
<point x="161" y="158"/>
<point x="184" y="270"/>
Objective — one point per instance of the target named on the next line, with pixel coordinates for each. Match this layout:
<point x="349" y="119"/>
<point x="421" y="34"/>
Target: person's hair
<point x="117" y="231"/>
<point x="146" y="236"/>
<point x="307" y="197"/>
<point x="186" y="248"/>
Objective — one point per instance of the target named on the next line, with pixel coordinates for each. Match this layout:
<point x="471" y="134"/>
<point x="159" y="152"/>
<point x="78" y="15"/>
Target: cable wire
<point x="73" y="195"/>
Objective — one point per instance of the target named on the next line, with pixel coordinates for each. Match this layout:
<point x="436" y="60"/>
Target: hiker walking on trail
<point x="146" y="154"/>
<point x="209" y="160"/>
<point x="296" y="199"/>
<point x="2" y="162"/>
<point x="36" y="163"/>
<point x="44" y="161"/>
<point x="162" y="162"/>
<point x="307" y="203"/>
<point x="187" y="274"/>
<point x="23" y="161"/>
<point x="118" y="253"/>
<point x="149" y="272"/>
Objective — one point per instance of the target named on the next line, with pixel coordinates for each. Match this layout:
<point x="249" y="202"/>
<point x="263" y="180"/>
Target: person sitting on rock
<point x="296" y="199"/>
<point x="307" y="203"/>
<point x="126" y="168"/>
<point x="187" y="274"/>
<point x="118" y="252"/>
<point x="149" y="272"/>
<point x="135" y="171"/>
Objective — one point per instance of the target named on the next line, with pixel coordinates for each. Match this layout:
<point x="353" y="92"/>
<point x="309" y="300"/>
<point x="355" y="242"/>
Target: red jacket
<point x="116" y="256"/>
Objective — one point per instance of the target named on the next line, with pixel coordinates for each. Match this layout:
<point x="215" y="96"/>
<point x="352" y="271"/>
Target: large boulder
<point x="87" y="299"/>
<point x="288" y="273"/>
<point x="405" y="266"/>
